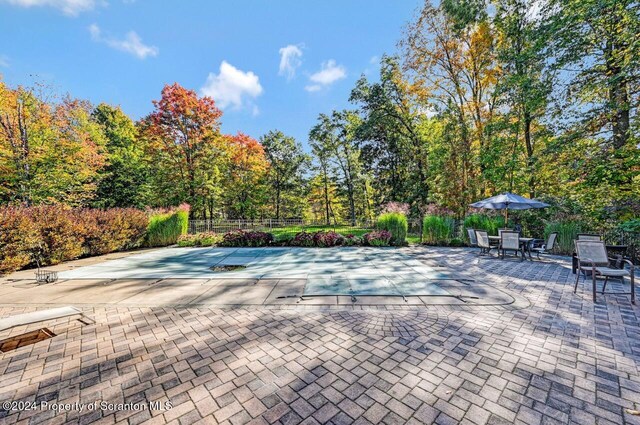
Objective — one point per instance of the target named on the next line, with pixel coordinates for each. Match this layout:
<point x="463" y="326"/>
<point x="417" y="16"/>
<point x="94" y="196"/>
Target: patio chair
<point x="482" y="238"/>
<point x="473" y="241"/>
<point x="539" y="247"/>
<point x="510" y="241"/>
<point x="589" y="237"/>
<point x="592" y="257"/>
<point x="506" y="229"/>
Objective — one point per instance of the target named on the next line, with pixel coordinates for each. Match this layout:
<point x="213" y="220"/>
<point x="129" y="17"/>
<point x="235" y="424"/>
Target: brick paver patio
<point x="550" y="357"/>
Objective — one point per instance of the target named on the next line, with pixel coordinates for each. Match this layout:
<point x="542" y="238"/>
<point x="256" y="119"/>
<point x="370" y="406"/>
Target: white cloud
<point x="232" y="86"/>
<point x="329" y="73"/>
<point x="313" y="87"/>
<point x="68" y="7"/>
<point x="132" y="43"/>
<point x="4" y="61"/>
<point x="289" y="60"/>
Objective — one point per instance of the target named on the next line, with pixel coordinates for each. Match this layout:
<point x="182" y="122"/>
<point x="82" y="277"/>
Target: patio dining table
<point x="524" y="242"/>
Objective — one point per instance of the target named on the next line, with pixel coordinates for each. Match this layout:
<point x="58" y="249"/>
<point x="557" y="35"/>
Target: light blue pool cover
<point x="331" y="271"/>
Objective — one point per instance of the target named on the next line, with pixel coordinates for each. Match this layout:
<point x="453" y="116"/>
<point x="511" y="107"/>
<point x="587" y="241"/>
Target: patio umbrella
<point x="509" y="201"/>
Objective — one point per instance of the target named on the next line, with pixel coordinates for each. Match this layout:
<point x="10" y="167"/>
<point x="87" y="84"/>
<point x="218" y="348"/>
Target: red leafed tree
<point x="248" y="166"/>
<point x="183" y="139"/>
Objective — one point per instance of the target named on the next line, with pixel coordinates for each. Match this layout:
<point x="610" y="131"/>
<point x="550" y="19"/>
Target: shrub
<point x="377" y="238"/>
<point x="200" y="239"/>
<point x="351" y="240"/>
<point x="50" y="234"/>
<point x="630" y="226"/>
<point x="165" y="227"/>
<point x="396" y="224"/>
<point x="19" y="239"/>
<point x="327" y="239"/>
<point x="115" y="229"/>
<point x="456" y="242"/>
<point x="61" y="235"/>
<point x="243" y="238"/>
<point x="567" y="232"/>
<point x="437" y="230"/>
<point x="302" y="239"/>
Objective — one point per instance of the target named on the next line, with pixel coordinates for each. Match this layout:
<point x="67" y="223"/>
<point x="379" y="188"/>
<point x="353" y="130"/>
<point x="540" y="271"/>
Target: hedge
<point x="50" y="234"/>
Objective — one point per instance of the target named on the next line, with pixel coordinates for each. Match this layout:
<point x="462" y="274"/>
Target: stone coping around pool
<point x="229" y="292"/>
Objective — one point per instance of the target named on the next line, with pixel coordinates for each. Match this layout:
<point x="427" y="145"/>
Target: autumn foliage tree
<point x="245" y="181"/>
<point x="183" y="141"/>
<point x="51" y="150"/>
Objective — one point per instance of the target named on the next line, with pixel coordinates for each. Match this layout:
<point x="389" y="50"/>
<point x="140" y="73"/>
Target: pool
<point x="350" y="271"/>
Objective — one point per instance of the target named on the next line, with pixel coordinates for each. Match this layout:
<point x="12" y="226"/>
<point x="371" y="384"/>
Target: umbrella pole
<point x="506" y="217"/>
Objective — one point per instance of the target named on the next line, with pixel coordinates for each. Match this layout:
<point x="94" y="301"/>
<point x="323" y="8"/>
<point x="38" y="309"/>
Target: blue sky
<point x="268" y="64"/>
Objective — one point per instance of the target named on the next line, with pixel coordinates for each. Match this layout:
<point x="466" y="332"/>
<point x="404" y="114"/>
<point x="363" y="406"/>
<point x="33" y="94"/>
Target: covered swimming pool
<point x="349" y="271"/>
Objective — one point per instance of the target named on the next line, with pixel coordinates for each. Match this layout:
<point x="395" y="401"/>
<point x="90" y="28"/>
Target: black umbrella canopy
<point x="509" y="201"/>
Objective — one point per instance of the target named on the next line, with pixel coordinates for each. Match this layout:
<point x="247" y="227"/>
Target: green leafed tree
<point x="393" y="148"/>
<point x="287" y="161"/>
<point x="335" y="135"/>
<point x="124" y="180"/>
<point x="51" y="149"/>
<point x="524" y="86"/>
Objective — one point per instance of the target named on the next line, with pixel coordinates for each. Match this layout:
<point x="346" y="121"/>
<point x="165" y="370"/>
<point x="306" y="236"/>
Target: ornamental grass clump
<point x="165" y="227"/>
<point x="567" y="233"/>
<point x="437" y="230"/>
<point x="484" y="222"/>
<point x="396" y="224"/>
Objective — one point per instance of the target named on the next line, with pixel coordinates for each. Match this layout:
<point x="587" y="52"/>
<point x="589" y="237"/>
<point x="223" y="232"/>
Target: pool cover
<point x="331" y="271"/>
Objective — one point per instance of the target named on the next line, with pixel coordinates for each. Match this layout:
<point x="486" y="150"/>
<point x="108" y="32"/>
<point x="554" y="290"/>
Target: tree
<point x="50" y="152"/>
<point x="247" y="171"/>
<point x="524" y="85"/>
<point x="451" y="60"/>
<point x="335" y="136"/>
<point x="286" y="161"/>
<point x="183" y="143"/>
<point x="392" y="146"/>
<point x="124" y="180"/>
<point x="321" y="180"/>
<point x="595" y="43"/>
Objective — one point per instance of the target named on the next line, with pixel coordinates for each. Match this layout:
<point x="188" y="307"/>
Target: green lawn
<point x="284" y="233"/>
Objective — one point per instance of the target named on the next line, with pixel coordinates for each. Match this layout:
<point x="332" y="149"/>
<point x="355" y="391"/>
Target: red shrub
<point x="60" y="234"/>
<point x="18" y="239"/>
<point x="51" y="234"/>
<point x="111" y="230"/>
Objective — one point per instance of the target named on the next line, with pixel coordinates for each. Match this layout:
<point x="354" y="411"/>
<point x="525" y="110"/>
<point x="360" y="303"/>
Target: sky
<point x="267" y="64"/>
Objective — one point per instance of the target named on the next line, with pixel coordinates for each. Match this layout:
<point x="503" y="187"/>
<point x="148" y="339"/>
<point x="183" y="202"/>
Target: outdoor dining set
<point x="591" y="257"/>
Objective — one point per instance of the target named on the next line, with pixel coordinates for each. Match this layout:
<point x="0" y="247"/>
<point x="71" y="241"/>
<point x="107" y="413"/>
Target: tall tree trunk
<point x="530" y="159"/>
<point x="618" y="94"/>
<point x="352" y="203"/>
<point x="326" y="197"/>
<point x="620" y="119"/>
